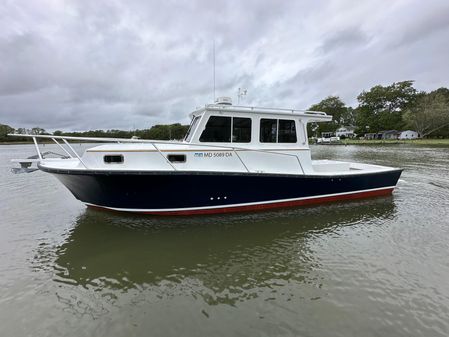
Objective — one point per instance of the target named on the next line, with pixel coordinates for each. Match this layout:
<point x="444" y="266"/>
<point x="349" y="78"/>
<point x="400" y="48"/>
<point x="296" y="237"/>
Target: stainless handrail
<point x="268" y="109"/>
<point x="62" y="147"/>
<point x="37" y="148"/>
<point x="75" y="153"/>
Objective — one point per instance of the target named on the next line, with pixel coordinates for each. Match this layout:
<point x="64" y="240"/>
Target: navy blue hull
<point x="157" y="192"/>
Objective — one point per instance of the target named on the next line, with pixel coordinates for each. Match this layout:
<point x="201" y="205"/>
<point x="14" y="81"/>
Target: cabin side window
<point x="113" y="159"/>
<point x="218" y="129"/>
<point x="268" y="130"/>
<point x="287" y="131"/>
<point x="241" y="130"/>
<point x="277" y="131"/>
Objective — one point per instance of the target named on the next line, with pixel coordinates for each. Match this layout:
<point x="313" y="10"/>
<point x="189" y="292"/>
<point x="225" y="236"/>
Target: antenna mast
<point x="241" y="92"/>
<point x="214" y="70"/>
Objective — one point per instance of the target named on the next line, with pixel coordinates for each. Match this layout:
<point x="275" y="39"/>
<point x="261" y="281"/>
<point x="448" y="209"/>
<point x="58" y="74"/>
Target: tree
<point x="160" y="132"/>
<point x="23" y="131"/>
<point x="4" y="130"/>
<point x="348" y="118"/>
<point x="430" y="113"/>
<point x="332" y="105"/>
<point x="381" y="108"/>
<point x="164" y="132"/>
<point x="37" y="131"/>
<point x="178" y="131"/>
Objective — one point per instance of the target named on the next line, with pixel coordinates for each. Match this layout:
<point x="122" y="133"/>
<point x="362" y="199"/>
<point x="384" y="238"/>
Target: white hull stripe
<point x="237" y="205"/>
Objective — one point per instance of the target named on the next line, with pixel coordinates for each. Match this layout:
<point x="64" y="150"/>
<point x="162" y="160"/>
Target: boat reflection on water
<point x="222" y="259"/>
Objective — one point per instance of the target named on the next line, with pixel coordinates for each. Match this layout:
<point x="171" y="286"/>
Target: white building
<point x="409" y="134"/>
<point x="345" y="131"/>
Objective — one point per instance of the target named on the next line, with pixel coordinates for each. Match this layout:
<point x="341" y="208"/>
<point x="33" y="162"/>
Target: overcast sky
<point x="79" y="65"/>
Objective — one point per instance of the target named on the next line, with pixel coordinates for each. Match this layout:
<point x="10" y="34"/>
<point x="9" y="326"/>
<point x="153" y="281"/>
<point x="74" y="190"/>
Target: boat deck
<point x="320" y="168"/>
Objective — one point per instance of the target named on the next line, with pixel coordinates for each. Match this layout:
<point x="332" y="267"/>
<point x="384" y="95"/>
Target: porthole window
<point x="113" y="159"/>
<point x="177" y="158"/>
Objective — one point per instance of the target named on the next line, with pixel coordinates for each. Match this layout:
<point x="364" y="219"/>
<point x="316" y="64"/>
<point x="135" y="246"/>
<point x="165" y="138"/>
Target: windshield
<point x="192" y="128"/>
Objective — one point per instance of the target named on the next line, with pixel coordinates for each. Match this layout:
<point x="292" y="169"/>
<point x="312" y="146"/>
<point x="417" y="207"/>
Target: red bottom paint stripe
<point x="303" y="202"/>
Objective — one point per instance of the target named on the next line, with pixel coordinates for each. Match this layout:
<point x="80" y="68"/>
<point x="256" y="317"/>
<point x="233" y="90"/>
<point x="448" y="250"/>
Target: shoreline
<point x="436" y="142"/>
<point x="440" y="142"/>
<point x="22" y="142"/>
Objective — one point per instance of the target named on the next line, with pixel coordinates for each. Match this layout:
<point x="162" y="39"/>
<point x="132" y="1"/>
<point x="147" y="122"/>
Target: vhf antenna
<point x="214" y="69"/>
<point x="240" y="94"/>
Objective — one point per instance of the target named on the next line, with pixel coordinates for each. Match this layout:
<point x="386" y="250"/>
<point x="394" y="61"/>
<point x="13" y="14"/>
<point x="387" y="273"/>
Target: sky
<point x="81" y="65"/>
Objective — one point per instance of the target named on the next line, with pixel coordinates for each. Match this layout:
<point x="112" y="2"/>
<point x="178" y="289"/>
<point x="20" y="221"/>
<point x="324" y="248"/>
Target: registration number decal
<point x="213" y="154"/>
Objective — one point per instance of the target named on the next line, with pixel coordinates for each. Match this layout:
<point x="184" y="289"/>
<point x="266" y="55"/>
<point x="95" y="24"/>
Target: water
<point x="377" y="267"/>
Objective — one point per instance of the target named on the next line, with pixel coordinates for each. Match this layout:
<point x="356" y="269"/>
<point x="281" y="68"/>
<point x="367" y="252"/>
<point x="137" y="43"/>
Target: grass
<point x="440" y="142"/>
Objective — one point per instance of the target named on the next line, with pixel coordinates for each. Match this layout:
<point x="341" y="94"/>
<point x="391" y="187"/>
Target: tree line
<point x="159" y="132"/>
<point x="397" y="106"/>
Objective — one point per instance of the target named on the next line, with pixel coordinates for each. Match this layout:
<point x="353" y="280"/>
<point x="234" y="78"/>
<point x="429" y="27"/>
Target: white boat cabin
<point x="222" y="137"/>
<point x="251" y="127"/>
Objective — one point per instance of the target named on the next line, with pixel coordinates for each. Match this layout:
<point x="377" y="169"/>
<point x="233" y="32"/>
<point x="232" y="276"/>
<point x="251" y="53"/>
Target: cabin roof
<point x="310" y="115"/>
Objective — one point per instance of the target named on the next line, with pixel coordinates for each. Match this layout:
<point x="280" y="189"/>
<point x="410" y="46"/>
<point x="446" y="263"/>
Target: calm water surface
<point x="378" y="267"/>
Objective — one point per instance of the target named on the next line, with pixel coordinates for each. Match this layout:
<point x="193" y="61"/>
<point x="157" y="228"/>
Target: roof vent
<point x="224" y="100"/>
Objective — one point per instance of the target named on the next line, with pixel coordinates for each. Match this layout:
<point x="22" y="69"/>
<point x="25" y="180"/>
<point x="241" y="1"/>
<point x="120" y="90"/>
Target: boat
<point x="232" y="159"/>
<point x="328" y="141"/>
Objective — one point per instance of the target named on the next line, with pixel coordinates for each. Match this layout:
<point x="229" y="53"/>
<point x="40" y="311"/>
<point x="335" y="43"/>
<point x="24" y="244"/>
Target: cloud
<point x="78" y="65"/>
<point x="431" y="21"/>
<point x="348" y="38"/>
